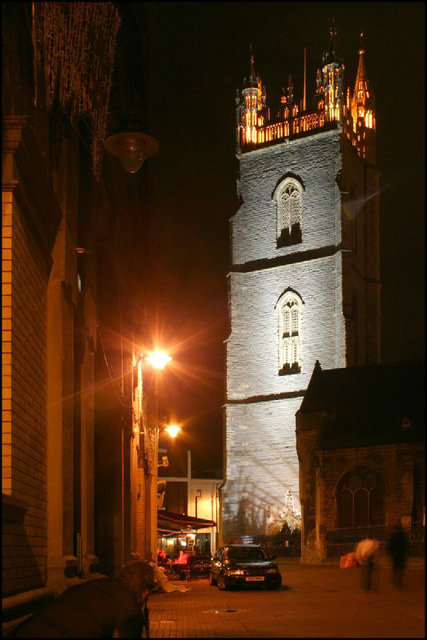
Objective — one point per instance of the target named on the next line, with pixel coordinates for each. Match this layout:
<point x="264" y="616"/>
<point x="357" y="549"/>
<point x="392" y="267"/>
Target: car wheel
<point x="222" y="585"/>
<point x="212" y="581"/>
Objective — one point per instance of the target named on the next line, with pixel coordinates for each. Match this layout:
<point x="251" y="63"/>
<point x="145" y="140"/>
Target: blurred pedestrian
<point x="398" y="549"/>
<point x="366" y="556"/>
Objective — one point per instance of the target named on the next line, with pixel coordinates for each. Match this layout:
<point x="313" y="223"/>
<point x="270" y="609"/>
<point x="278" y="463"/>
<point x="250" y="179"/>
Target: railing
<point x="340" y="541"/>
<point x="292" y="126"/>
<point x="290" y="547"/>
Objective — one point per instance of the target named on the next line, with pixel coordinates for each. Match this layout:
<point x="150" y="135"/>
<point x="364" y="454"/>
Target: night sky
<point x="198" y="57"/>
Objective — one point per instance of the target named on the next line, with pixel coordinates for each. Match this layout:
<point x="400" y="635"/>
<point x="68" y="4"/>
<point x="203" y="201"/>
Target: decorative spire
<point x="361" y="92"/>
<point x="333" y="33"/>
<point x="252" y="74"/>
<point x="332" y="81"/>
<point x="290" y="90"/>
<point x="362" y="42"/>
<point x="251" y="109"/>
<point x="363" y="109"/>
<point x="330" y="57"/>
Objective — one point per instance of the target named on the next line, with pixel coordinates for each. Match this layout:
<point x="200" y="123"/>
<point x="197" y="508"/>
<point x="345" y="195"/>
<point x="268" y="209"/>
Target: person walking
<point x="366" y="556"/>
<point x="398" y="549"/>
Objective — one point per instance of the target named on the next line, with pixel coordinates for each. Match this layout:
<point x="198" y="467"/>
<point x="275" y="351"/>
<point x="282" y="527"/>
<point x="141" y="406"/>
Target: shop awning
<point x="169" y="521"/>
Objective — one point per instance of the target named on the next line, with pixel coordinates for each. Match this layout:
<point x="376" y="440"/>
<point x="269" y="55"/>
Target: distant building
<point x="197" y="497"/>
<point x="304" y="277"/>
<point x="361" y="448"/>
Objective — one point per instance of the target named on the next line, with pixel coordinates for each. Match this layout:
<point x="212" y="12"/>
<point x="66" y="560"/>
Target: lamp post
<point x="150" y="432"/>
<point x="158" y="360"/>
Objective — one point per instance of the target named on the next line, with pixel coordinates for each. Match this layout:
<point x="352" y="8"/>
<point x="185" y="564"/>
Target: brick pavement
<point x="313" y="602"/>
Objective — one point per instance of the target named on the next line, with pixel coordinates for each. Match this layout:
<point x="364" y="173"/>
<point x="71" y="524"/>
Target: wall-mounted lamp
<point x="131" y="145"/>
<point x="164" y="462"/>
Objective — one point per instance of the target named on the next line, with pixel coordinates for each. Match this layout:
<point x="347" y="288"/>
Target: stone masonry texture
<point x="261" y="458"/>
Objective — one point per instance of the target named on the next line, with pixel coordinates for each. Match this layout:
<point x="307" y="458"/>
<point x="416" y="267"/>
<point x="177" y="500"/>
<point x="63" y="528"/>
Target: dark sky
<point x="199" y="55"/>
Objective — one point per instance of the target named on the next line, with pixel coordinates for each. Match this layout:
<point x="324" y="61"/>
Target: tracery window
<point x="360" y="498"/>
<point x="290" y="334"/>
<point x="289" y="213"/>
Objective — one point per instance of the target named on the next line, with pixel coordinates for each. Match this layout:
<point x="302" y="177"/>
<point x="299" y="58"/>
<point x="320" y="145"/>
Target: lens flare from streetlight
<point x="158" y="359"/>
<point x="173" y="430"/>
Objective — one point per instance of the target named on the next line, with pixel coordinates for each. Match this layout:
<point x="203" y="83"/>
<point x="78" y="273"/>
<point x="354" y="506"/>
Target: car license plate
<point x="255" y="578"/>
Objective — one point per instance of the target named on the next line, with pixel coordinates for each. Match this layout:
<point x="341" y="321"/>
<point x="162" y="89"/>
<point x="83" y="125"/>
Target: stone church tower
<point x="304" y="278"/>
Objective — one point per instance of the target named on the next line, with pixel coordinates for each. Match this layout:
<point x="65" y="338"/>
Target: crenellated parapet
<point x="331" y="106"/>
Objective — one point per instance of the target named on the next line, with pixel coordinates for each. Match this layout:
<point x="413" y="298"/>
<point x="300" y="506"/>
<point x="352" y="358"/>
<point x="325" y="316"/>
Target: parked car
<point x="238" y="565"/>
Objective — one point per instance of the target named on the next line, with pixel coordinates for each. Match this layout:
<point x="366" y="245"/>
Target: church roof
<point x="369" y="405"/>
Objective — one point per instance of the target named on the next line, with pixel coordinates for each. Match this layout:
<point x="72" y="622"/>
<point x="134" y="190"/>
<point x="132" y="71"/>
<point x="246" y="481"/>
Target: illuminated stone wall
<point x="24" y="404"/>
<point x="261" y="459"/>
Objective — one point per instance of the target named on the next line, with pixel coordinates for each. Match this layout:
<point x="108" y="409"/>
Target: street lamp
<point x="172" y="430"/>
<point x="131" y="145"/>
<point x="157" y="359"/>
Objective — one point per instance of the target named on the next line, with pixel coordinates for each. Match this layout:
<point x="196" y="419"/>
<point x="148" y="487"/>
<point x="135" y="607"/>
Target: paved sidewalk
<point x="313" y="602"/>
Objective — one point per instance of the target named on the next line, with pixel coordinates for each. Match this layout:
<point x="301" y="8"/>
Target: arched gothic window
<point x="289" y="212"/>
<point x="290" y="334"/>
<point x="360" y="498"/>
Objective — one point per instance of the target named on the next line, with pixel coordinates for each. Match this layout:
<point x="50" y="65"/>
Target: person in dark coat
<point x="103" y="608"/>
<point x="398" y="549"/>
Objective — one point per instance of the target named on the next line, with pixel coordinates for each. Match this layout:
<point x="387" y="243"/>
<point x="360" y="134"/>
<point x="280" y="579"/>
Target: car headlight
<point x="236" y="572"/>
<point x="273" y="570"/>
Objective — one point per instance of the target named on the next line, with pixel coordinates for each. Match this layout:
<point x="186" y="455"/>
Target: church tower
<point x="304" y="277"/>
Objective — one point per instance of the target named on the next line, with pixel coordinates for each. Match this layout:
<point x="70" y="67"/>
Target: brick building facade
<point x="70" y="502"/>
<point x="304" y="278"/>
<point x="50" y="200"/>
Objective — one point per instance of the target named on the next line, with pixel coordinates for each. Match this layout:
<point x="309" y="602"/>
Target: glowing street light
<point x="158" y="359"/>
<point x="173" y="430"/>
<point x="149" y="431"/>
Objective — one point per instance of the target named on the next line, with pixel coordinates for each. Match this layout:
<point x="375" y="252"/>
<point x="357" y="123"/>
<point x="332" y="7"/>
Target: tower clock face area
<point x="294" y="297"/>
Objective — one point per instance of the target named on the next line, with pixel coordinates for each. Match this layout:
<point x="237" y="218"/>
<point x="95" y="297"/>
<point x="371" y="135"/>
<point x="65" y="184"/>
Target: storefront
<point x="176" y="532"/>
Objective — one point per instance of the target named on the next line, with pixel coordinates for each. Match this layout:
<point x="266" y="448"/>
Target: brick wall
<point x="7" y="343"/>
<point x="24" y="384"/>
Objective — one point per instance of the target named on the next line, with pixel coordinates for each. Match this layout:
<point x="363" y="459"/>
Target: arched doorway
<point x="360" y="498"/>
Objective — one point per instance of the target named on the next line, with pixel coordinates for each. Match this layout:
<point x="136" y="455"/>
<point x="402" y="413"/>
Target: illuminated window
<point x="290" y="334"/>
<point x="289" y="212"/>
<point x="360" y="498"/>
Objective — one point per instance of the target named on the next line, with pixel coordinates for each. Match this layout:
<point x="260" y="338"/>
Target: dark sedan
<point x="239" y="565"/>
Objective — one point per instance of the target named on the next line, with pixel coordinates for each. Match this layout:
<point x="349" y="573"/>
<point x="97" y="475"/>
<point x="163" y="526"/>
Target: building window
<point x="290" y="334"/>
<point x="289" y="213"/>
<point x="360" y="498"/>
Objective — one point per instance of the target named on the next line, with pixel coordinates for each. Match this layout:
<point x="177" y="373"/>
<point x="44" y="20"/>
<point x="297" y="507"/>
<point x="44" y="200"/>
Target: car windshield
<point x="246" y="553"/>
